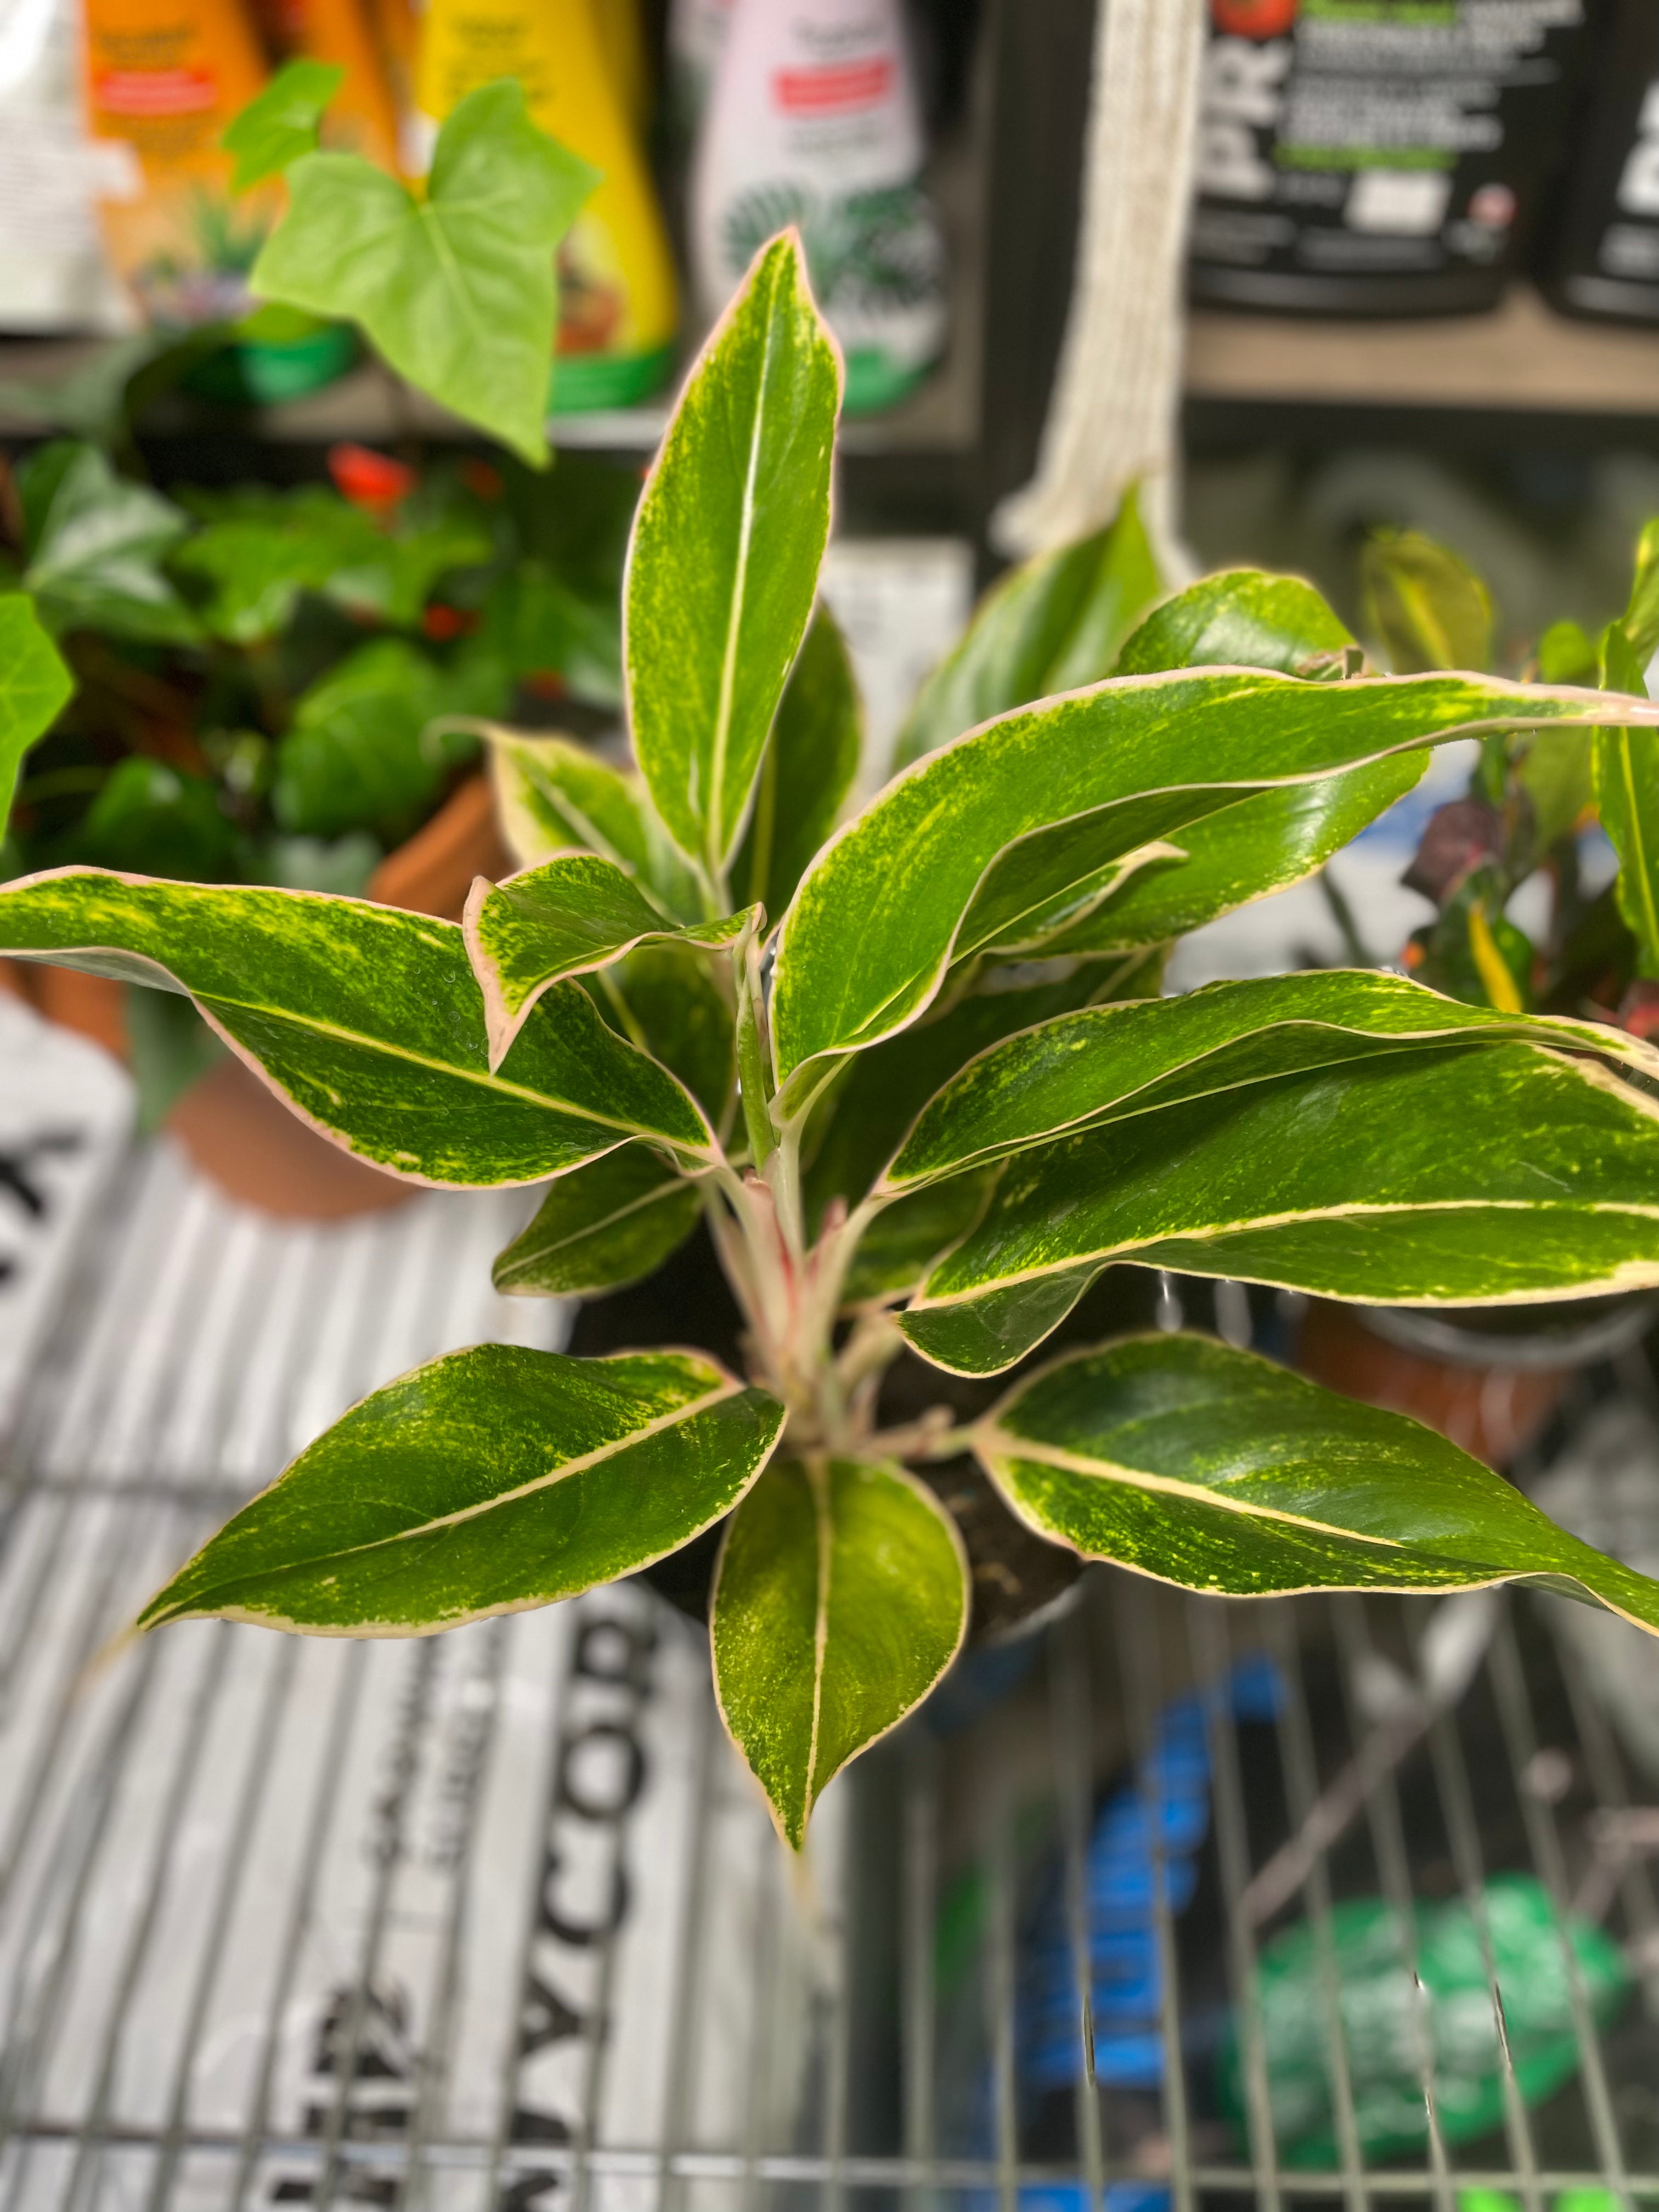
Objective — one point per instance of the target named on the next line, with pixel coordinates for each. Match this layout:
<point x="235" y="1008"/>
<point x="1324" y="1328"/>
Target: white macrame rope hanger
<point x="1115" y="414"/>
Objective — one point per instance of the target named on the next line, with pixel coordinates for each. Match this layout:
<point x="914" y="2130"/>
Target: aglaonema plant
<point x="914" y="1074"/>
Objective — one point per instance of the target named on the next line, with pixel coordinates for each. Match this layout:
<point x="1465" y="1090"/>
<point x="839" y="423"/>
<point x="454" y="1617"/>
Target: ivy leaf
<point x="282" y="122"/>
<point x="34" y="689"/>
<point x="724" y="564"/>
<point x="367" y="1021"/>
<point x="1428" y="607"/>
<point x="807" y="770"/>
<point x="1463" y="1176"/>
<point x="606" y="1226"/>
<point x="1009" y="824"/>
<point x="367" y="748"/>
<point x="149" y="814"/>
<point x="260" y="549"/>
<point x="840" y="1598"/>
<point x="1217" y="1470"/>
<point x="92" y="546"/>
<point x="1053" y="624"/>
<point x="482" y="1483"/>
<point x="457" y="289"/>
<point x="1078" y="1069"/>
<point x="573" y="915"/>
<point x="552" y="794"/>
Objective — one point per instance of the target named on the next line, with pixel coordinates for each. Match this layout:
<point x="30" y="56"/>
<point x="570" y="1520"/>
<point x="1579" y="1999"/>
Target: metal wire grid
<point x="494" y="1921"/>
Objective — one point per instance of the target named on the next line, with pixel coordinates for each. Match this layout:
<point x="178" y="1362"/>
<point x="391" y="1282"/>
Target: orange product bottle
<point x="163" y="78"/>
<point x="361" y="117"/>
<point x="397" y="27"/>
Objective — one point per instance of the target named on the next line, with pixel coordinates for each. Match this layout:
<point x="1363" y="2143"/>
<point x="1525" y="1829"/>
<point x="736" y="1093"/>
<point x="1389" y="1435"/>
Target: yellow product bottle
<point x="163" y="78"/>
<point x="361" y="117"/>
<point x="622" y="41"/>
<point x="616" y="297"/>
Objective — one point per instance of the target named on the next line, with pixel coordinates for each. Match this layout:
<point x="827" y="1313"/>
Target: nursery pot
<point x="237" y="1131"/>
<point x="1489" y="1377"/>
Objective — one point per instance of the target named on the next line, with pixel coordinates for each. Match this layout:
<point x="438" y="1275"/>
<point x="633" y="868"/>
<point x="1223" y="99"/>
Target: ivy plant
<point x="914" y="1074"/>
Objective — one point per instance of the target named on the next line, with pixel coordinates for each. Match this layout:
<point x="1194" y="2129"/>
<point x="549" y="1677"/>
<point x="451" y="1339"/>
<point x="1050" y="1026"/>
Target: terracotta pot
<point x="237" y="1131"/>
<point x="1488" y="1378"/>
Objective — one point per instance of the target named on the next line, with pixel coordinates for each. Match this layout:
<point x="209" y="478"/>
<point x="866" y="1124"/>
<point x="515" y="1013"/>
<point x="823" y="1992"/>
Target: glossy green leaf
<point x="724" y="564"/>
<point x="1243" y="618"/>
<point x="1246" y="852"/>
<point x="34" y="688"/>
<point x="486" y="1482"/>
<point x="456" y="289"/>
<point x="1217" y="1470"/>
<point x="1101" y="1063"/>
<point x="1053" y="624"/>
<point x="93" y="544"/>
<point x="1463" y="1176"/>
<point x="1625" y="765"/>
<point x="1640" y="620"/>
<point x="1428" y="608"/>
<point x="1557" y="772"/>
<point x="907" y="1239"/>
<point x="601" y="1228"/>
<point x="868" y="1114"/>
<point x="1566" y="654"/>
<point x="369" y="1022"/>
<point x="260" y="551"/>
<point x="282" y="122"/>
<point x="840" y="1598"/>
<point x="370" y="747"/>
<point x="806" y="771"/>
<point x="552" y="794"/>
<point x="669" y="1001"/>
<point x="1011" y="823"/>
<point x="573" y="915"/>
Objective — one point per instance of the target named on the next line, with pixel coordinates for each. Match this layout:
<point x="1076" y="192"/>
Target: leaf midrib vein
<point x="734" y="618"/>
<point x="1015" y="1447"/>
<point x="1285" y="1221"/>
<point x="483" y="1080"/>
<point x="662" y="1422"/>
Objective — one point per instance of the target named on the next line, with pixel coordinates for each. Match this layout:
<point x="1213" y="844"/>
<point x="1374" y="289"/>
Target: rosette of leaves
<point x="905" y="1067"/>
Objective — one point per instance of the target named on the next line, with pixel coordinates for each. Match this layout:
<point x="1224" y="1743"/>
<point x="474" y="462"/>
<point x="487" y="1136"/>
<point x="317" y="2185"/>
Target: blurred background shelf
<point x="1522" y="357"/>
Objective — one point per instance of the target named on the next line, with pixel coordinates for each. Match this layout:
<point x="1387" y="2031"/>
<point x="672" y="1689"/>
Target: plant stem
<point x="752" y="1071"/>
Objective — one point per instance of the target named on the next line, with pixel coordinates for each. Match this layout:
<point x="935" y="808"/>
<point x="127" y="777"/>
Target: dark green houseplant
<point x="908" y="1073"/>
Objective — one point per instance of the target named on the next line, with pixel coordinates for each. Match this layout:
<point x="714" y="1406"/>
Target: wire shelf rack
<point x="494" y="1920"/>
